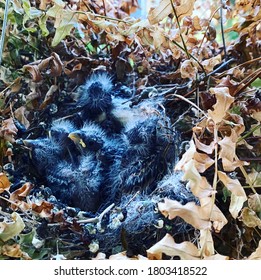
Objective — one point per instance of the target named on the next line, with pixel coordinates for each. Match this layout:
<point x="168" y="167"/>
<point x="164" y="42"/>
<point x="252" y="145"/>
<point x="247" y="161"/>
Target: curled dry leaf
<point x="183" y="8"/>
<point x="190" y="212"/>
<point x="9" y="229"/>
<point x="210" y="63"/>
<point x="56" y="65"/>
<point x="227" y="148"/>
<point x="224" y="101"/>
<point x="14" y="251"/>
<point x="4" y="183"/>
<point x="208" y="149"/>
<point x="213" y="212"/>
<point x="250" y="218"/>
<point x="167" y="245"/>
<point x="44" y="63"/>
<point x="232" y="165"/>
<point x="188" y="70"/>
<point x="206" y="243"/>
<point x="48" y="96"/>
<point x="18" y="195"/>
<point x="231" y="85"/>
<point x="20" y="115"/>
<point x="158" y="38"/>
<point x="198" y="184"/>
<point x="235" y="121"/>
<point x="202" y="162"/>
<point x="187" y="156"/>
<point x="254" y="202"/>
<point x="34" y="72"/>
<point x="44" y="209"/>
<point x="238" y="195"/>
<point x="8" y="130"/>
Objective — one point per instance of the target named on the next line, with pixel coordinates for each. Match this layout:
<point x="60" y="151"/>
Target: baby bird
<point x="44" y="153"/>
<point x="94" y="97"/>
<point x="59" y="133"/>
<point x="149" y="156"/>
<point x="89" y="138"/>
<point x="78" y="186"/>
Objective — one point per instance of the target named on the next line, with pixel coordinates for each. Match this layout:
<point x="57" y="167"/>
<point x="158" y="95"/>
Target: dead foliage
<point x="208" y="69"/>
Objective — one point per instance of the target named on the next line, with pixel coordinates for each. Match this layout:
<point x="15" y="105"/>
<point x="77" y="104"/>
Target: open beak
<point x="77" y="140"/>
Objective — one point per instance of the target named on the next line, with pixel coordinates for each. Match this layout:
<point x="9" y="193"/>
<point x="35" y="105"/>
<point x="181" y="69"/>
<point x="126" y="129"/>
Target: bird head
<point x="83" y="142"/>
<point x="60" y="130"/>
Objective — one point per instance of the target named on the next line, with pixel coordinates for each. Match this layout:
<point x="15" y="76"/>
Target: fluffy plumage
<point x="137" y="219"/>
<point x="89" y="138"/>
<point x="44" y="153"/>
<point x="149" y="156"/>
<point x="59" y="133"/>
<point x="94" y="97"/>
<point x="78" y="186"/>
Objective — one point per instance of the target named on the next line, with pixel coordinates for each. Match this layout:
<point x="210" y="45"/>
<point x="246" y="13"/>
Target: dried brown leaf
<point x="250" y="218"/>
<point x="48" y="97"/>
<point x="190" y="212"/>
<point x="167" y="245"/>
<point x="188" y="70"/>
<point x="34" y="72"/>
<point x="227" y="148"/>
<point x="206" y="243"/>
<point x="43" y="209"/>
<point x="224" y="101"/>
<point x="209" y="209"/>
<point x="210" y="63"/>
<point x="4" y="183"/>
<point x="183" y="8"/>
<point x="8" y="130"/>
<point x="56" y="65"/>
<point x="254" y="202"/>
<point x="187" y="156"/>
<point x="19" y="194"/>
<point x="238" y="195"/>
<point x="158" y="38"/>
<point x="198" y="184"/>
<point x="14" y="251"/>
<point x="202" y="162"/>
<point x="208" y="149"/>
<point x="20" y="115"/>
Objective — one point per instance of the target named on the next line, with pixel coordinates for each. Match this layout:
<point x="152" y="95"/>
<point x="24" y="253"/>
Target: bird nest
<point x="106" y="163"/>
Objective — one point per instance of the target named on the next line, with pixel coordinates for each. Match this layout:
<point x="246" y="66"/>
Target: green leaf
<point x="42" y="24"/>
<point x="61" y="33"/>
<point x="256" y="83"/>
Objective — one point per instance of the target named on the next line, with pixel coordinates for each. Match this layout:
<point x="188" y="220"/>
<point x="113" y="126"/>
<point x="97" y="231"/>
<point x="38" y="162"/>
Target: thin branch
<point x="180" y="34"/>
<point x="209" y="21"/>
<point x="240" y="65"/>
<point x="2" y="40"/>
<point x="104" y="7"/>
<point x="222" y="30"/>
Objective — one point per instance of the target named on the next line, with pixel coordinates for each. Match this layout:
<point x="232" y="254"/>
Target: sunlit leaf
<point x="250" y="218"/>
<point x="238" y="195"/>
<point x="9" y="229"/>
<point x="183" y="8"/>
<point x="167" y="245"/>
<point x="224" y="101"/>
